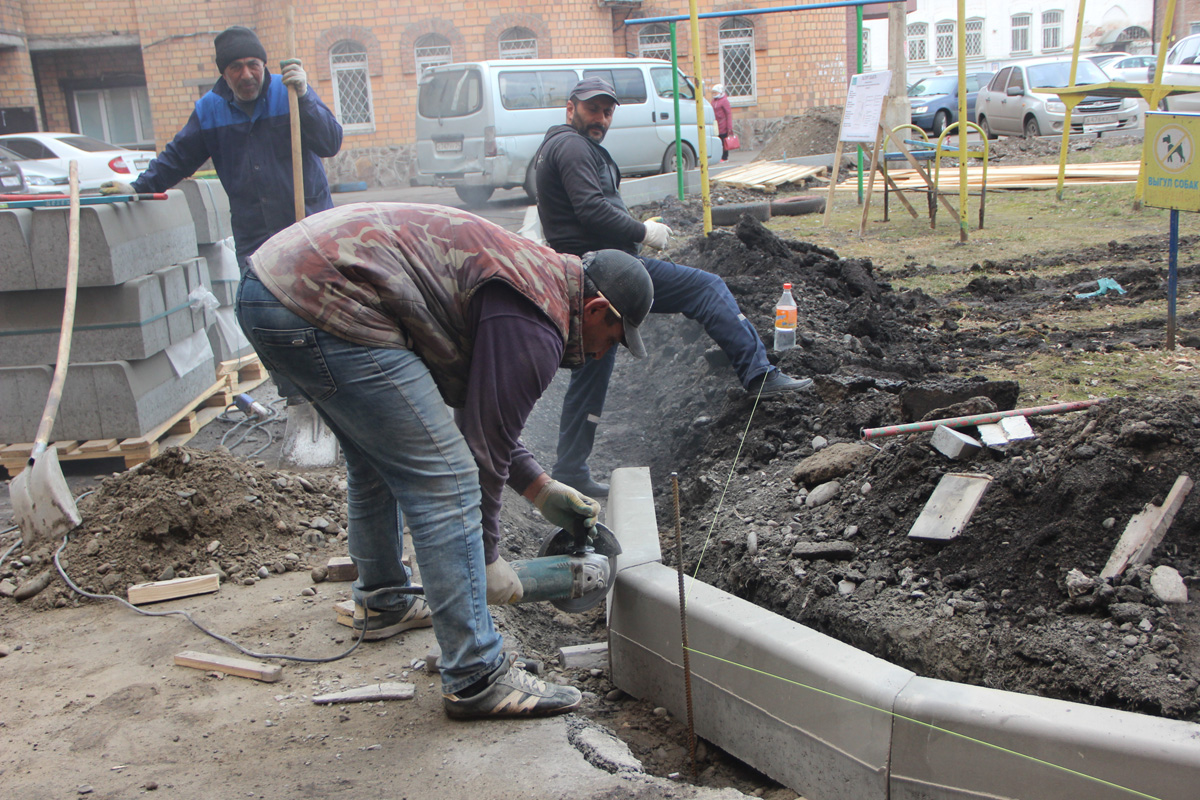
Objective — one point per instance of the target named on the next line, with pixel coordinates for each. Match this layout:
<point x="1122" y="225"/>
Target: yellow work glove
<point x="116" y="187"/>
<point x="563" y="506"/>
<point x="503" y="586"/>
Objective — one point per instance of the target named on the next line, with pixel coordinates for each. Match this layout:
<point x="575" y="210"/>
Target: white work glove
<point x="503" y="587"/>
<point x="563" y="506"/>
<point x="656" y="235"/>
<point x="116" y="187"/>
<point x="292" y="74"/>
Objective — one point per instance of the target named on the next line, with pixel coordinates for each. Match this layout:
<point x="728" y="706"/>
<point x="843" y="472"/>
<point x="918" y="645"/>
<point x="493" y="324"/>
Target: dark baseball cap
<point x="624" y="282"/>
<point x="588" y="88"/>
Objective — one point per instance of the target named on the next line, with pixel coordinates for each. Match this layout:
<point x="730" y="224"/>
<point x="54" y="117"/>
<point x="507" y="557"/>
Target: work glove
<point x="656" y="234"/>
<point x="563" y="506"/>
<point x="503" y="586"/>
<point x="116" y="187"/>
<point x="292" y="74"/>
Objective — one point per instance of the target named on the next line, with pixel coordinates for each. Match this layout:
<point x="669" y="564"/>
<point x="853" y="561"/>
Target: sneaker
<point x="382" y="624"/>
<point x="589" y="487"/>
<point x="774" y="382"/>
<point x="515" y="693"/>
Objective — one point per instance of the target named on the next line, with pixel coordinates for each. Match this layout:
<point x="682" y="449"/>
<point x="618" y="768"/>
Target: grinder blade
<point x="601" y="541"/>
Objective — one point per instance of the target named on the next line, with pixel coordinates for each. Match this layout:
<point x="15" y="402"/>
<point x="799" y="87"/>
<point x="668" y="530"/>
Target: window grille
<point x="974" y="44"/>
<point x="1020" y="33"/>
<point x="738" y="71"/>
<point x="352" y="103"/>
<point x="918" y="47"/>
<point x="1052" y="25"/>
<point x="432" y="49"/>
<point x="654" y="41"/>
<point x="944" y="39"/>
<point x="866" y="49"/>
<point x="518" y="43"/>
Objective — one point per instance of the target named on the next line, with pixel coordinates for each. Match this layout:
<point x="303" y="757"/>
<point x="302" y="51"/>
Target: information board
<point x="864" y="105"/>
<point x="1169" y="158"/>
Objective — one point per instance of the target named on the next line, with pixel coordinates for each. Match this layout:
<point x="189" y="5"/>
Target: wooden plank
<point x="242" y="667"/>
<point x="158" y="591"/>
<point x="376" y="692"/>
<point x="1145" y="530"/>
<point x="185" y="425"/>
<point x="98" y="446"/>
<point x="950" y="507"/>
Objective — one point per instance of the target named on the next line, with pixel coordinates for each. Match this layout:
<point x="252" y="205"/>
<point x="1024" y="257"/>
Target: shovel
<point x="307" y="441"/>
<point x="43" y="506"/>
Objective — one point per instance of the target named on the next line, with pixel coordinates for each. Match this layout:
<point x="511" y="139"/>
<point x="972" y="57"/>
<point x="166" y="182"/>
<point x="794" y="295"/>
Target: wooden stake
<point x="242" y="667"/>
<point x="170" y="590"/>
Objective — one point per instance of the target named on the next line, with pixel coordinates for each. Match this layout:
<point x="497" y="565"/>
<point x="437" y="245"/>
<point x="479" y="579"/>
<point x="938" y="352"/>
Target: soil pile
<point x="813" y="133"/>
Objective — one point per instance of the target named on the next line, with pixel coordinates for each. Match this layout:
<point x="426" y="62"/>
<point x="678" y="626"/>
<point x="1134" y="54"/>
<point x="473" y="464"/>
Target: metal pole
<point x="687" y="661"/>
<point x="978" y="419"/>
<point x="1172" y="278"/>
<point x="962" y="122"/>
<point x="858" y="15"/>
<point x="678" y="124"/>
<point x="701" y="135"/>
<point x="1069" y="102"/>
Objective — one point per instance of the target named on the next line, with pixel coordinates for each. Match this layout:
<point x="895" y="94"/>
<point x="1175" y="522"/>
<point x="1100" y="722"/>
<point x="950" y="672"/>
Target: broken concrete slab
<point x="1167" y="585"/>
<point x="584" y="656"/>
<point x="1145" y="530"/>
<point x="992" y="435"/>
<point x="950" y="507"/>
<point x="209" y="207"/>
<point x="954" y="445"/>
<point x="374" y="693"/>
<point x="16" y="263"/>
<point x="117" y="241"/>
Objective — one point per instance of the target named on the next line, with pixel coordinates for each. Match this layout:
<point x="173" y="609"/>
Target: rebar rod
<point x="687" y="661"/>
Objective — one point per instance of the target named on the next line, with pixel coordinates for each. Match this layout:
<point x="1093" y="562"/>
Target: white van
<point x="479" y="124"/>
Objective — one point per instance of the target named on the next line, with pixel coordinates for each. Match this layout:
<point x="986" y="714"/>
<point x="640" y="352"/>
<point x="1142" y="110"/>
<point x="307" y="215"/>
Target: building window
<point x="351" y="87"/>
<point x="518" y="43"/>
<point x="432" y="49"/>
<point x="1020" y="33"/>
<point x="866" y="49"/>
<point x="944" y="39"/>
<point x="737" y="59"/>
<point x="1052" y="25"/>
<point x="918" y="47"/>
<point x="654" y="41"/>
<point x="118" y="116"/>
<point x="1135" y="33"/>
<point x="974" y="44"/>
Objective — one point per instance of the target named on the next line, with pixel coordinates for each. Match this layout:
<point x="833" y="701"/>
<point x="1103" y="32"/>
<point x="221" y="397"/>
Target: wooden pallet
<point x="767" y="175"/>
<point x="236" y="376"/>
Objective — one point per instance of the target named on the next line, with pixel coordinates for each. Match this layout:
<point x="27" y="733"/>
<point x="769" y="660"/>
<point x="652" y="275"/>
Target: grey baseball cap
<point x="588" y="88"/>
<point x="624" y="282"/>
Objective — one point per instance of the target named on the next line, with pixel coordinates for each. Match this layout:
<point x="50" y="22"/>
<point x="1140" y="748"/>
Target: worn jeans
<point x="696" y="294"/>
<point x="406" y="461"/>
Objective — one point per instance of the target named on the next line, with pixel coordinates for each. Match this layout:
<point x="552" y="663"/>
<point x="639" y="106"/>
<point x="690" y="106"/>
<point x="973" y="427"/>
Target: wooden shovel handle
<point x="294" y="117"/>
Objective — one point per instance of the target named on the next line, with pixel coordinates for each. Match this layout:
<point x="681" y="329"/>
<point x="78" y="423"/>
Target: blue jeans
<point x="696" y="294"/>
<point x="405" y="460"/>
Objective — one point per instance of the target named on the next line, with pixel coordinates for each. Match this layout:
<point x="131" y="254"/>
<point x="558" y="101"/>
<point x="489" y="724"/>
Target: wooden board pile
<point x="767" y="176"/>
<point x="1025" y="176"/>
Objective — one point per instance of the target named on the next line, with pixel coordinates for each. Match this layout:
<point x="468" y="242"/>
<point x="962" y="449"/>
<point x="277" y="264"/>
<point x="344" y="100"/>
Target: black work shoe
<point x="774" y="382"/>
<point x="587" y="486"/>
<point x="382" y="624"/>
<point x="515" y="693"/>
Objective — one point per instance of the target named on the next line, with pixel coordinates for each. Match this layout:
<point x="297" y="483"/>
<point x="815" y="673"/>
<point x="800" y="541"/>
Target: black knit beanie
<point x="237" y="42"/>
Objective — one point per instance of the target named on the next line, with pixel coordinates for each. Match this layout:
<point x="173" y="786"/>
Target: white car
<point x="40" y="177"/>
<point x="1129" y="68"/>
<point x="1181" y="69"/>
<point x="98" y="161"/>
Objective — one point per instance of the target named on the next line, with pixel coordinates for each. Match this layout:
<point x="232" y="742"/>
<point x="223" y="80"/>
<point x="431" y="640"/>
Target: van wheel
<point x="689" y="159"/>
<point x="474" y="196"/>
<point x="530" y="185"/>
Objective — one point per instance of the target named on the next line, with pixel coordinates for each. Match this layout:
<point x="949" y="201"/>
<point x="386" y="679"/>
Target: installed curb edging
<point x="831" y="721"/>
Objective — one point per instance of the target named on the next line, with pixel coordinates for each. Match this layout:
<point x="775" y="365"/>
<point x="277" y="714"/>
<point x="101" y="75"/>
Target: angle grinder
<point x="574" y="569"/>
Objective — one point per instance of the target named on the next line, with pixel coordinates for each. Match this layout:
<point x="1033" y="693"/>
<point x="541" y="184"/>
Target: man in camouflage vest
<point x="385" y="313"/>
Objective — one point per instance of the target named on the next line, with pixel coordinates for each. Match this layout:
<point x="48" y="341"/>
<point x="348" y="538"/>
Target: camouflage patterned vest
<point x="402" y="275"/>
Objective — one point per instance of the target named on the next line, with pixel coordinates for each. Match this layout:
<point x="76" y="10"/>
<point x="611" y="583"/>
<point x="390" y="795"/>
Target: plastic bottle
<point x="785" y="320"/>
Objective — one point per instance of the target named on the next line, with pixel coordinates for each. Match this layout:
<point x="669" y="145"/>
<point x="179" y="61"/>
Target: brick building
<point x="129" y="71"/>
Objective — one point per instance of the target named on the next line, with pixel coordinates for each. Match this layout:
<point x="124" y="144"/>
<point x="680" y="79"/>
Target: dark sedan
<point x="934" y="100"/>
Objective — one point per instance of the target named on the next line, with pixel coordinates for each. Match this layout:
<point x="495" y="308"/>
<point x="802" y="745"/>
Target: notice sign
<point x="864" y="104"/>
<point x="1169" y="156"/>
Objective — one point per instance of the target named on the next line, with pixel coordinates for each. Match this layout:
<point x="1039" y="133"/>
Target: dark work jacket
<point x="253" y="158"/>
<point x="578" y="199"/>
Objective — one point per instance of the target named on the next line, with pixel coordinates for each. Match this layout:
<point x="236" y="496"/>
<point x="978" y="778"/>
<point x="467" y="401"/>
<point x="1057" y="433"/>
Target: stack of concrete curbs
<point x="148" y="333"/>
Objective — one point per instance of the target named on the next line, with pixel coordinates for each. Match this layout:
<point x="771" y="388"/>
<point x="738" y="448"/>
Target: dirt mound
<point x="192" y="512"/>
<point x="813" y="133"/>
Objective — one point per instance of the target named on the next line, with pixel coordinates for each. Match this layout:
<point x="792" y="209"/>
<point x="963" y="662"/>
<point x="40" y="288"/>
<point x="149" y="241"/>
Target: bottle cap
<point x="787" y="286"/>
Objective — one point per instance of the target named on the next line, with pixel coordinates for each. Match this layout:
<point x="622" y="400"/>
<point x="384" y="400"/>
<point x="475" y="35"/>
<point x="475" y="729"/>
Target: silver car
<point x="1021" y="101"/>
<point x="1181" y="69"/>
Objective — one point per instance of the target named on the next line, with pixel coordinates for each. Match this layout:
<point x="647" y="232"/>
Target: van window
<point x="450" y="93"/>
<point x="629" y="83"/>
<point x="663" y="85"/>
<point x="540" y="89"/>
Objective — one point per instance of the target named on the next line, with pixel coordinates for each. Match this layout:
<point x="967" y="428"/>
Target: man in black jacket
<point x="581" y="210"/>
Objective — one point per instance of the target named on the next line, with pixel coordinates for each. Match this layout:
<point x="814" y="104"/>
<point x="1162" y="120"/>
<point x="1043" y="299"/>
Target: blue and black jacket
<point x="253" y="158"/>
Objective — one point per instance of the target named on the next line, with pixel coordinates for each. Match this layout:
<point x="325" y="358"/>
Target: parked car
<point x="98" y="161"/>
<point x="11" y="179"/>
<point x="40" y="177"/>
<point x="1181" y="69"/>
<point x="1021" y="101"/>
<point x="934" y="100"/>
<point x="1100" y="59"/>
<point x="1129" y="68"/>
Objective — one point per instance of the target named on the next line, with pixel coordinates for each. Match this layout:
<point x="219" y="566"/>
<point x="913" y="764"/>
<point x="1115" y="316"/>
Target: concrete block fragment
<point x="23" y="392"/>
<point x="117" y="242"/>
<point x="954" y="445"/>
<point x="111" y="323"/>
<point x="584" y="656"/>
<point x="993" y="436"/>
<point x="16" y="263"/>
<point x="172" y="282"/>
<point x="1167" y="585"/>
<point x="209" y="207"/>
<point x="1017" y="429"/>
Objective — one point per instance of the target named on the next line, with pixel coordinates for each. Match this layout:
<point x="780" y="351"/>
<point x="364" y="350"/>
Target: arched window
<point x="918" y="42"/>
<point x="430" y="50"/>
<point x="654" y="41"/>
<point x="738" y="71"/>
<point x="518" y="43"/>
<point x="352" y="104"/>
<point x="1133" y="33"/>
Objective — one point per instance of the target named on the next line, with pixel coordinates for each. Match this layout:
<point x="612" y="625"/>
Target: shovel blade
<point x="307" y="441"/>
<point x="43" y="506"/>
